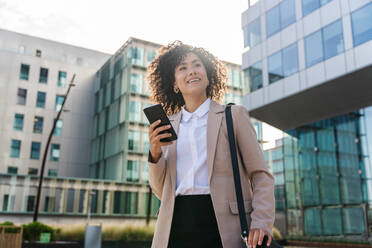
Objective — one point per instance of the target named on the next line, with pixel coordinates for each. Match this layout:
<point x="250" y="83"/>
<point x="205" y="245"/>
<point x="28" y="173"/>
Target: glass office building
<point x="309" y="75"/>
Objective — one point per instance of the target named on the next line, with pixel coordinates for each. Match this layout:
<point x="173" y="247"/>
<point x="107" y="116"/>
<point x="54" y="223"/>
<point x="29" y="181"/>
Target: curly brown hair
<point x="161" y="75"/>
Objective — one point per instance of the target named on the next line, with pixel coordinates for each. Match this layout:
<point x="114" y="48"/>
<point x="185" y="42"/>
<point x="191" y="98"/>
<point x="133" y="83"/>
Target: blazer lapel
<point x="175" y="121"/>
<point x="215" y="115"/>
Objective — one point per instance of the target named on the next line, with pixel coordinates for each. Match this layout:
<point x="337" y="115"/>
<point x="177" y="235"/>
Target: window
<point x="280" y="16"/>
<point x="38" y="53"/>
<point x="131" y="202"/>
<point x="49" y="204"/>
<point x="133" y="171"/>
<point x="43" y="77"/>
<point x="15" y="148"/>
<point x="136" y="83"/>
<point x="32" y="171"/>
<point x="150" y="56"/>
<point x="25" y="70"/>
<point x="135" y="111"/>
<point x="21" y="96"/>
<point x="136" y="54"/>
<point x="12" y="170"/>
<point x="283" y="63"/>
<point x="324" y="44"/>
<point x="361" y="21"/>
<point x="145" y="172"/>
<point x="54" y="152"/>
<point x="8" y="202"/>
<point x="309" y="6"/>
<point x="146" y="142"/>
<point x="41" y="98"/>
<point x="275" y="67"/>
<point x="59" y="102"/>
<point x="52" y="173"/>
<point x="134" y="140"/>
<point x="253" y="76"/>
<point x="18" y="122"/>
<point x="38" y="124"/>
<point x="62" y="78"/>
<point x="58" y="129"/>
<point x="30" y="203"/>
<point x="290" y="60"/>
<point x="35" y="150"/>
<point x="252" y="33"/>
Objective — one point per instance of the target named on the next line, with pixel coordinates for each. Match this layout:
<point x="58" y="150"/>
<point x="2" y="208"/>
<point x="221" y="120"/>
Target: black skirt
<point x="194" y="223"/>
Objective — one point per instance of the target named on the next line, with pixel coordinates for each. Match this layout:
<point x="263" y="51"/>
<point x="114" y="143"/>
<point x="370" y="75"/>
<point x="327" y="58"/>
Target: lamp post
<point x="36" y="211"/>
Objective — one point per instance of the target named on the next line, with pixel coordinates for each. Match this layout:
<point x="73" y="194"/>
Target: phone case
<point x="156" y="112"/>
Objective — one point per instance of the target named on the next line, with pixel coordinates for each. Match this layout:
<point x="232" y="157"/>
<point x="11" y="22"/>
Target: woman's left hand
<point x="256" y="236"/>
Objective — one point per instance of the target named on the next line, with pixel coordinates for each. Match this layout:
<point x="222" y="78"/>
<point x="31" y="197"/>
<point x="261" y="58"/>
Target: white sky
<point x="106" y="25"/>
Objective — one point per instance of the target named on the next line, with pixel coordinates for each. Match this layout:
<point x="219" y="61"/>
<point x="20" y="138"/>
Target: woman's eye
<point x="198" y="65"/>
<point x="182" y="68"/>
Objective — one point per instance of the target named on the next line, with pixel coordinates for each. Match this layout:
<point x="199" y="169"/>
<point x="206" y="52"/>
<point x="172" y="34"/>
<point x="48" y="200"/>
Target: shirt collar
<point x="199" y="112"/>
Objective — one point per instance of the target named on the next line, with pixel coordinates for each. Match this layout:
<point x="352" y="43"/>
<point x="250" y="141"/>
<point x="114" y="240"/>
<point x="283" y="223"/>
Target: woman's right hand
<point x="155" y="137"/>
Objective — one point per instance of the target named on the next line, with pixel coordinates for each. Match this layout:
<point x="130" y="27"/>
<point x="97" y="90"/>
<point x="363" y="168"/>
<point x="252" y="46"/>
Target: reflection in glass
<point x="253" y="76"/>
<point x="290" y="60"/>
<point x="313" y="48"/>
<point x="272" y="21"/>
<point x="287" y="13"/>
<point x="309" y="6"/>
<point x="275" y="67"/>
<point x="333" y="39"/>
<point x="252" y="33"/>
<point x="361" y="21"/>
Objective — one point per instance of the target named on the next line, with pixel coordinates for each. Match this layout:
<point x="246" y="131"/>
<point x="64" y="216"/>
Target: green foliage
<point x="31" y="231"/>
<point x="276" y="234"/>
<point x="9" y="230"/>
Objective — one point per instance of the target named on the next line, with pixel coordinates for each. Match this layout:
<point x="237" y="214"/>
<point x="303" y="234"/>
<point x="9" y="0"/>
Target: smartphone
<point x="156" y="112"/>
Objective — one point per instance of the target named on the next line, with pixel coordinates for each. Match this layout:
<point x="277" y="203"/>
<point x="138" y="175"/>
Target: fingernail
<point x="259" y="243"/>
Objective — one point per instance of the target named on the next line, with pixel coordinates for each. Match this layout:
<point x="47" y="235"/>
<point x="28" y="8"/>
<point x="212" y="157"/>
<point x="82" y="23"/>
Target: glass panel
<point x="35" y="150"/>
<point x="15" y="148"/>
<point x="133" y="171"/>
<point x="290" y="60"/>
<point x="52" y="173"/>
<point x="313" y="224"/>
<point x="54" y="152"/>
<point x="145" y="172"/>
<point x="253" y="76"/>
<point x="361" y="21"/>
<point x="21" y="96"/>
<point x="40" y="101"/>
<point x="150" y="56"/>
<point x="136" y="53"/>
<point x="313" y="48"/>
<point x="136" y="83"/>
<point x="272" y="21"/>
<point x="38" y="124"/>
<point x="18" y="122"/>
<point x="59" y="102"/>
<point x="332" y="222"/>
<point x="254" y="32"/>
<point x="62" y="75"/>
<point x="43" y="77"/>
<point x="353" y="220"/>
<point x="333" y="39"/>
<point x="275" y="67"/>
<point x="135" y="111"/>
<point x="58" y="129"/>
<point x="309" y="6"/>
<point x="12" y="170"/>
<point x="134" y="140"/>
<point x="25" y="69"/>
<point x="287" y="13"/>
<point x="30" y="203"/>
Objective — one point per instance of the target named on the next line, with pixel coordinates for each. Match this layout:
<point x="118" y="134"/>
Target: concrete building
<point x="308" y="66"/>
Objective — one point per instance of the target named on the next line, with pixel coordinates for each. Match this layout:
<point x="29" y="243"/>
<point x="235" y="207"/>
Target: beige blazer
<point x="259" y="202"/>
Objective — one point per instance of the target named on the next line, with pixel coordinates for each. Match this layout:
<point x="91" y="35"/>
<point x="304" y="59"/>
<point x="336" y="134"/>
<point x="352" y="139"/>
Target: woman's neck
<point x="192" y="104"/>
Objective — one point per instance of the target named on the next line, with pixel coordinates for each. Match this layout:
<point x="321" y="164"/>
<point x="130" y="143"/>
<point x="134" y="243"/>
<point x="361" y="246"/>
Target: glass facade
<point x="252" y="33"/>
<point x="136" y="55"/>
<point x="280" y="16"/>
<point x="18" y="122"/>
<point x="55" y="152"/>
<point x="38" y="124"/>
<point x="283" y="63"/>
<point x="35" y="150"/>
<point x="15" y="148"/>
<point x="62" y="75"/>
<point x="308" y="6"/>
<point x="134" y="140"/>
<point x="43" y="76"/>
<point x="325" y="175"/>
<point x="25" y="70"/>
<point x="150" y="55"/>
<point x="40" y="100"/>
<point x="133" y="171"/>
<point x="361" y="21"/>
<point x="324" y="44"/>
<point x="136" y="81"/>
<point x="58" y="129"/>
<point x="253" y="76"/>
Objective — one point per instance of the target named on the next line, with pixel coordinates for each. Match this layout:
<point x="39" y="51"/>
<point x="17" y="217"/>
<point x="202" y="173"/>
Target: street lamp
<point x="36" y="211"/>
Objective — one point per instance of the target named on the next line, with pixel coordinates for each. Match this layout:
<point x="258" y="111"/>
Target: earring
<point x="176" y="90"/>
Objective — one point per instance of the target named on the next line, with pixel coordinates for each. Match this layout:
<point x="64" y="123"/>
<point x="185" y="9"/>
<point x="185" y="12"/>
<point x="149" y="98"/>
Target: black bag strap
<point x="237" y="183"/>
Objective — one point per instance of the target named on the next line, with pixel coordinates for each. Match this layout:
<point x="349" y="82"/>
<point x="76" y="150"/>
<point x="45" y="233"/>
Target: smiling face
<point x="191" y="77"/>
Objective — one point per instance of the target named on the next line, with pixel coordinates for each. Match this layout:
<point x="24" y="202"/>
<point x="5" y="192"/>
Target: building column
<point x="76" y="198"/>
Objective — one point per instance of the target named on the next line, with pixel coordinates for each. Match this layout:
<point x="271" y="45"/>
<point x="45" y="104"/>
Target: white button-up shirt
<point x="192" y="171"/>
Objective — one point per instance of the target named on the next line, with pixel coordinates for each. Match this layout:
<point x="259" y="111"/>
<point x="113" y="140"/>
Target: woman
<point x="193" y="176"/>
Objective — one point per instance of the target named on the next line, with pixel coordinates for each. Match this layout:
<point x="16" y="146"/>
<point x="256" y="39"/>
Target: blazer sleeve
<point x="157" y="174"/>
<point x="263" y="202"/>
